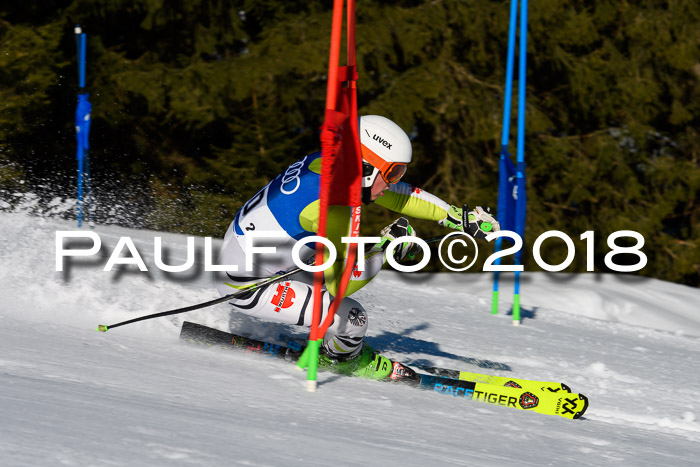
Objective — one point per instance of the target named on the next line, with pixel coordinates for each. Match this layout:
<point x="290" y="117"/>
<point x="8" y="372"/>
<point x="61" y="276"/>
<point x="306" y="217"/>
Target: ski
<point x="531" y="385"/>
<point x="560" y="403"/>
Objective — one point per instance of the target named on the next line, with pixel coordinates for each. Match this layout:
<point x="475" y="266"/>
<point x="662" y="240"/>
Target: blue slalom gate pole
<point x="520" y="207"/>
<point x="82" y="127"/>
<point x="511" y="192"/>
<point x="505" y="136"/>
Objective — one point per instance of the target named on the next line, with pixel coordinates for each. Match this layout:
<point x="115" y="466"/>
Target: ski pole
<point x="105" y="328"/>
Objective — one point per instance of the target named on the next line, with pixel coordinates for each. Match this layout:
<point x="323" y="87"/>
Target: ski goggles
<point x="391" y="172"/>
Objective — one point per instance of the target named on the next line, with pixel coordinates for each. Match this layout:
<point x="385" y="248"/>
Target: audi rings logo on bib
<point x="290" y="177"/>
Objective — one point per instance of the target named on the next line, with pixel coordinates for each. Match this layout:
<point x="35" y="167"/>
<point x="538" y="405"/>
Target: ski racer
<point x="289" y="206"/>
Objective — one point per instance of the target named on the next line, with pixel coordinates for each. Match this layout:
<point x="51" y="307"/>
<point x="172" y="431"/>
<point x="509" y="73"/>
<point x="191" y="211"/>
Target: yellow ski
<point x="561" y="403"/>
<point x="532" y="385"/>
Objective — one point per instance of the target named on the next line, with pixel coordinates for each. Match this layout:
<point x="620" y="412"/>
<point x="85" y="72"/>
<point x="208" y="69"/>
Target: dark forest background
<point x="198" y="103"/>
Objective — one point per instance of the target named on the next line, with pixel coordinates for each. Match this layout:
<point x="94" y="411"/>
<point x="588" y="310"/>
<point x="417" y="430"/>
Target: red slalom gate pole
<point x="329" y="147"/>
<point x="350" y="95"/>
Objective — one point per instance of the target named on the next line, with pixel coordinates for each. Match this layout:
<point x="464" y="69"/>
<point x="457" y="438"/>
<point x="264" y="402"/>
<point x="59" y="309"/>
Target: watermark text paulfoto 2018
<point x="252" y="250"/>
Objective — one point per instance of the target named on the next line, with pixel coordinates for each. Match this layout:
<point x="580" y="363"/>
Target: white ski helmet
<point x="386" y="150"/>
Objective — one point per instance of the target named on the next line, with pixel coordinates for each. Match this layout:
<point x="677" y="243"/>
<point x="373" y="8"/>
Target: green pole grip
<point x="516" y="309"/>
<point x="494" y="302"/>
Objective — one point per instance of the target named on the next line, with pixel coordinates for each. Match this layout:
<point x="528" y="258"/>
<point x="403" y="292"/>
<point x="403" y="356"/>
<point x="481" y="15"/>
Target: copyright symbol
<point x="450" y="254"/>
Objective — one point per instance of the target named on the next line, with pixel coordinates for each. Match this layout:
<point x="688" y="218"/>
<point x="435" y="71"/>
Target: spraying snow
<point x="134" y="396"/>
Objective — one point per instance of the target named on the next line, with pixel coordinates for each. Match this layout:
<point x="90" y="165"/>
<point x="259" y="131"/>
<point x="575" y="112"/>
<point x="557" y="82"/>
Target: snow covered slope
<point x="134" y="396"/>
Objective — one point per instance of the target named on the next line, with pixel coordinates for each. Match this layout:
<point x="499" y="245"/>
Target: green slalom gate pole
<point x="494" y="302"/>
<point x="516" y="297"/>
<point x="309" y="362"/>
<point x="516" y="309"/>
